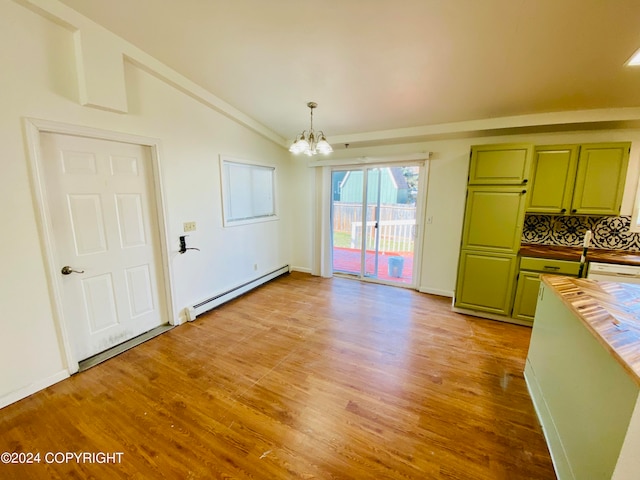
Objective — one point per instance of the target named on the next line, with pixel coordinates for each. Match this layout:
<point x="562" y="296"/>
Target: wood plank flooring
<point x="304" y="378"/>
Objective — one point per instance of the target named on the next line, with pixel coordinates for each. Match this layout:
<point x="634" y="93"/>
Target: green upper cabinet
<point x="579" y="179"/>
<point x="553" y="173"/>
<point x="602" y="171"/>
<point x="494" y="217"/>
<point x="500" y="164"/>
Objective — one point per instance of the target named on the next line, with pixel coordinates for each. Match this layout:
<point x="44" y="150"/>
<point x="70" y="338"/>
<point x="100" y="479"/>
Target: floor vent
<point x="211" y="303"/>
<point x="123" y="347"/>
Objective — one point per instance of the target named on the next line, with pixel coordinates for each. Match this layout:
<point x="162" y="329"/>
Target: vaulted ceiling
<point x="383" y="65"/>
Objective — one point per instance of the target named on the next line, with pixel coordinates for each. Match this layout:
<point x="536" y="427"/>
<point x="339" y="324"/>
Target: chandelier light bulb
<point x="323" y="146"/>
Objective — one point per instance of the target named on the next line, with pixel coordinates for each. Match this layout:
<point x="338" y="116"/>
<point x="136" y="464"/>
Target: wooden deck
<point x="304" y="378"/>
<point x="348" y="260"/>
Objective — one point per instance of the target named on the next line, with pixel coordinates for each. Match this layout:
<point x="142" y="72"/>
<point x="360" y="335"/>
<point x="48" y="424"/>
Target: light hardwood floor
<point x="304" y="378"/>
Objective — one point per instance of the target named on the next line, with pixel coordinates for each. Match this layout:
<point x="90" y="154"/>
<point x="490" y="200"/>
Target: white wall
<point x="39" y="81"/>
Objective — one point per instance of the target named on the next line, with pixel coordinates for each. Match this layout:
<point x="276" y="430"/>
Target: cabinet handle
<point x="524" y="191"/>
<point x="574" y="211"/>
<point x="549" y="267"/>
<point x="525" y="180"/>
<point x="564" y="210"/>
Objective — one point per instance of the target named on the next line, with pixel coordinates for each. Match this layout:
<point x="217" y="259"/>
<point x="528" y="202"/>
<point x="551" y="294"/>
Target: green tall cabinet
<point x="494" y="215"/>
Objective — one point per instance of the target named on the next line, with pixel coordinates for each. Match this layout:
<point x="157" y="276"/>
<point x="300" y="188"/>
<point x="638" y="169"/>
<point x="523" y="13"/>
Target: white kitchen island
<point x="583" y="373"/>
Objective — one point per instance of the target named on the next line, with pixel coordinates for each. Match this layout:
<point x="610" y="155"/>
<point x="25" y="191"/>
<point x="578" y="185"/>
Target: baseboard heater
<point x="211" y="303"/>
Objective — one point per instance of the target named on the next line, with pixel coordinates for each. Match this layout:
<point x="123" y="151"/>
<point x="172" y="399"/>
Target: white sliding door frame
<point x="322" y="251"/>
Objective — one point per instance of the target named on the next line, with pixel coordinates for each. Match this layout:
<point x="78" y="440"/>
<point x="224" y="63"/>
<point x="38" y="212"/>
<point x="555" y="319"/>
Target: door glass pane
<point x="397" y="192"/>
<point x="346" y="212"/>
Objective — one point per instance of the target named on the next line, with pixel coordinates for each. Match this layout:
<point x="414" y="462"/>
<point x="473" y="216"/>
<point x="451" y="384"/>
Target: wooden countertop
<point x="558" y="252"/>
<point x="610" y="311"/>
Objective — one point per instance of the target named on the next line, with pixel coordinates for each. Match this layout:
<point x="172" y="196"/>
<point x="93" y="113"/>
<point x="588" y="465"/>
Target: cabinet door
<point x="552" y="178"/>
<point x="500" y="164"/>
<point x="602" y="171"/>
<point x="524" y="306"/>
<point x="485" y="281"/>
<point x="494" y="217"/>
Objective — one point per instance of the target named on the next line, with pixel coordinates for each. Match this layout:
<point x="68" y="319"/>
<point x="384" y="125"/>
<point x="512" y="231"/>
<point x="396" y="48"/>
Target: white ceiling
<point x="376" y="65"/>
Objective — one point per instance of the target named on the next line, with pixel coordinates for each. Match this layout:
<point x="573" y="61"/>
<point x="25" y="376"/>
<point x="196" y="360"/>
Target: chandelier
<point x="311" y="142"/>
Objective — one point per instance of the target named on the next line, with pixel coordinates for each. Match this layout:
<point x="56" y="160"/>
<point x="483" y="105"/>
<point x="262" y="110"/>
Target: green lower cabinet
<point x="524" y="306"/>
<point x="528" y="283"/>
<point x="486" y="281"/>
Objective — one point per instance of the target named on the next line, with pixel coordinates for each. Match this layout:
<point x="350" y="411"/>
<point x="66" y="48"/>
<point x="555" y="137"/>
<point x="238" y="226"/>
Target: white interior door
<point x="100" y="196"/>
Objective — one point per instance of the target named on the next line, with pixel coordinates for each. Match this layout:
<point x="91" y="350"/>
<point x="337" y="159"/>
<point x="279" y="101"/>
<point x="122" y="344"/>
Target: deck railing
<point x="344" y="214"/>
<point x="395" y="235"/>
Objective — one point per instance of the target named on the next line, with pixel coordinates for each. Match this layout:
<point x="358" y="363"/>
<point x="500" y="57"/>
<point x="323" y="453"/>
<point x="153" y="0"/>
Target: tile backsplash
<point x="608" y="232"/>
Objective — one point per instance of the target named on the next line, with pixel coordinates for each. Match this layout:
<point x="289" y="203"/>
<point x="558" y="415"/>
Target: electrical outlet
<point x="189" y="226"/>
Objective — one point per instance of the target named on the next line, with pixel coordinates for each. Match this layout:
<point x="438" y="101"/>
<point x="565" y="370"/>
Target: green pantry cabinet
<point x="579" y="179"/>
<point x="494" y="216"/>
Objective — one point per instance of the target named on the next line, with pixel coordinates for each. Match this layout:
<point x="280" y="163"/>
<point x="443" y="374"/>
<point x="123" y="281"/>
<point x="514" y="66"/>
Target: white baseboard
<point x="206" y="305"/>
<point x="554" y="443"/>
<point x="436" y="291"/>
<point x="301" y="269"/>
<point x="33" y="388"/>
<point x="491" y="316"/>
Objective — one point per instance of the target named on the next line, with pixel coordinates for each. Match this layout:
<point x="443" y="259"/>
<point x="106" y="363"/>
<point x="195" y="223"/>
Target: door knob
<point x="67" y="270"/>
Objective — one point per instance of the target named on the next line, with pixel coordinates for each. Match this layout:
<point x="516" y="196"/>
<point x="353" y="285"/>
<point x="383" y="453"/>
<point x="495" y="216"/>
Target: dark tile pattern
<point x="608" y="232"/>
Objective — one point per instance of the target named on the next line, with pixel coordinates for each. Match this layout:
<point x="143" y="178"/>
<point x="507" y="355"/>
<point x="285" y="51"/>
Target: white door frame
<point x="33" y="129"/>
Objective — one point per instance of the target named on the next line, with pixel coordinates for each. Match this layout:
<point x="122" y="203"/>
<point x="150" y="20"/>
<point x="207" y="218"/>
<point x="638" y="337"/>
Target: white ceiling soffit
<point x="385" y="71"/>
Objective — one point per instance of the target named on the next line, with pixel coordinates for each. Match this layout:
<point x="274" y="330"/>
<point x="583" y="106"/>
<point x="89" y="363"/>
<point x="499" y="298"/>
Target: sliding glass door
<point x="374" y="222"/>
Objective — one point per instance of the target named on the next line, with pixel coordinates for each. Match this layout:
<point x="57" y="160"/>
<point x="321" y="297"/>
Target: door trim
<point x="33" y="129"/>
